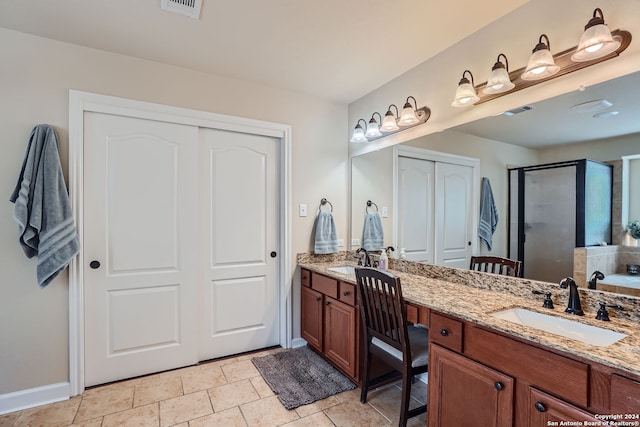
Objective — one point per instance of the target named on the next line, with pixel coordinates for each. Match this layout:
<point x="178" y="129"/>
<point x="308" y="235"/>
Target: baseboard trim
<point x="298" y="342"/>
<point x="24" y="399"/>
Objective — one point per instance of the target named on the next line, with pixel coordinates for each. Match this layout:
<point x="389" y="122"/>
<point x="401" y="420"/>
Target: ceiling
<point x="335" y="49"/>
<point x="553" y="122"/>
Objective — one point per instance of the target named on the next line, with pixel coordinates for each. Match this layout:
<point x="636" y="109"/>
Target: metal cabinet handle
<point x="540" y="407"/>
<point x="327" y="303"/>
<point x="498" y="385"/>
<point x="444" y="332"/>
<point x="318" y="298"/>
<point x="345" y="293"/>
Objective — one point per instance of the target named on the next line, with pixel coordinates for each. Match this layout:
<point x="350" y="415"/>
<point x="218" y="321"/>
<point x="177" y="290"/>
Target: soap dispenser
<point x="383" y="262"/>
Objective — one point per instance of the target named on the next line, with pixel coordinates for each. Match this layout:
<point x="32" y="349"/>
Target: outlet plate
<point x="302" y="209"/>
<point x="355" y="242"/>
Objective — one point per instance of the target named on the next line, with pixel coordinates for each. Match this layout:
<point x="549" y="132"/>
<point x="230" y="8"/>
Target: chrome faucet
<point x="597" y="275"/>
<point x="573" y="306"/>
<point x="367" y="259"/>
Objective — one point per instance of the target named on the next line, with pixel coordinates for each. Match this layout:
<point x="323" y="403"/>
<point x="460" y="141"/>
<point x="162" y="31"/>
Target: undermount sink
<point x="345" y="269"/>
<point x="556" y="325"/>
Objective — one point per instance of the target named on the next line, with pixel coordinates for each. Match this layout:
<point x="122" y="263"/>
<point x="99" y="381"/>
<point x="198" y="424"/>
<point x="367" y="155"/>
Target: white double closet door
<point x="436" y="209"/>
<point x="181" y="233"/>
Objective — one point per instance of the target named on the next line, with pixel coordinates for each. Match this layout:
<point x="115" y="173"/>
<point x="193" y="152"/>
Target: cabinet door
<point x="311" y="316"/>
<point x="340" y="335"/>
<point x="464" y="393"/>
<point x="625" y="395"/>
<point x="545" y="410"/>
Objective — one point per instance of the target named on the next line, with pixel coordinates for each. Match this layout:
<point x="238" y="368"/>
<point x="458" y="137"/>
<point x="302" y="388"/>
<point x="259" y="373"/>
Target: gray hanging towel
<point x="372" y="234"/>
<point x="326" y="241"/>
<point x="42" y="208"/>
<point x="488" y="214"/>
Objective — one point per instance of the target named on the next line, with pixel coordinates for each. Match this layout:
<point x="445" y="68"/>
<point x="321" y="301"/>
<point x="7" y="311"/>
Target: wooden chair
<point x="496" y="265"/>
<point x="389" y="337"/>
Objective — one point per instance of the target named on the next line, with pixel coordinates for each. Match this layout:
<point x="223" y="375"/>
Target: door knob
<point x="274" y="254"/>
<point x="94" y="264"/>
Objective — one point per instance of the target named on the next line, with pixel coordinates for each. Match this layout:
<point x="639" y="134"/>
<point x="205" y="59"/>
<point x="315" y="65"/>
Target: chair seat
<point x="419" y="342"/>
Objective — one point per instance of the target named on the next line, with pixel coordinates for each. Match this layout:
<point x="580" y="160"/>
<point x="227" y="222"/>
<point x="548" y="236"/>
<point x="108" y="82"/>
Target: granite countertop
<point x="470" y="300"/>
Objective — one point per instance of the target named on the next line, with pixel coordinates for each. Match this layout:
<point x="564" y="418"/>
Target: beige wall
<point x="36" y="76"/>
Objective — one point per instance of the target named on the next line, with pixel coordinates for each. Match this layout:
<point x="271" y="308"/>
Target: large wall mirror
<point x="545" y="132"/>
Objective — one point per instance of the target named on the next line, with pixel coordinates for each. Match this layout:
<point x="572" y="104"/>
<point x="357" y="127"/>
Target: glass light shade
<point x="408" y="116"/>
<point x="595" y="42"/>
<point x="389" y="123"/>
<point x="373" y="131"/>
<point x="358" y="135"/>
<point x="541" y="65"/>
<point x="465" y="95"/>
<point x="499" y="82"/>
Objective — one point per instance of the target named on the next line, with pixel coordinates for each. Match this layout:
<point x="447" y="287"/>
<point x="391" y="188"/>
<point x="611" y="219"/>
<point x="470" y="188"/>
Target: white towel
<point x="42" y="208"/>
<point x="372" y="234"/>
<point x="488" y="214"/>
<point x="326" y="241"/>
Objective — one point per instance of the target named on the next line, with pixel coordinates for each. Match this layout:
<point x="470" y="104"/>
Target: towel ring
<point x="324" y="202"/>
<point x="369" y="203"/>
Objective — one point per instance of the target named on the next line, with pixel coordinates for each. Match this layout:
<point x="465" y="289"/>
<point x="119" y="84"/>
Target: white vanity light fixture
<point x="596" y="41"/>
<point x="390" y="121"/>
<point x="465" y="93"/>
<point x="373" y="129"/>
<point x="499" y="80"/>
<point x="541" y="63"/>
<point x="410" y="116"/>
<point x="358" y="133"/>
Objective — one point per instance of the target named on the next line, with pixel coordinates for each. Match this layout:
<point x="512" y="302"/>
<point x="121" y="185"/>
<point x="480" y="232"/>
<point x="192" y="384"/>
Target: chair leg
<point x="406" y="397"/>
<point x="367" y="374"/>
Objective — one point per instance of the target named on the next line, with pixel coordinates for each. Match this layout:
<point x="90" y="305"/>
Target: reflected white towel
<point x="488" y="214"/>
<point x="372" y="234"/>
<point x="42" y="208"/>
<point x="326" y="241"/>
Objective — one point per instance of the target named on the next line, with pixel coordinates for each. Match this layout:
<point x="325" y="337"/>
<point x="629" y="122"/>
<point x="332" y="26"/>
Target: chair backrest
<point x="382" y="307"/>
<point x="496" y="265"/>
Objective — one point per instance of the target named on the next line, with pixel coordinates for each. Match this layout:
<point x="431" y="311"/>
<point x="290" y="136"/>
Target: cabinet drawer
<point x="305" y="277"/>
<point x="324" y="284"/>
<point x="549" y="371"/>
<point x="347" y="293"/>
<point x="445" y="331"/>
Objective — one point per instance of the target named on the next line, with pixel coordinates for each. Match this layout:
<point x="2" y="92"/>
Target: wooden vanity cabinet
<point x="546" y="410"/>
<point x="463" y="392"/>
<point x="330" y="320"/>
<point x="478" y="376"/>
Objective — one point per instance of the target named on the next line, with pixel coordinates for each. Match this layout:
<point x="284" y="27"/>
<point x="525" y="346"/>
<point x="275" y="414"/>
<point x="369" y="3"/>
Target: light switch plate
<point x="340" y="242"/>
<point x="385" y="212"/>
<point x="302" y="209"/>
<point x="355" y="242"/>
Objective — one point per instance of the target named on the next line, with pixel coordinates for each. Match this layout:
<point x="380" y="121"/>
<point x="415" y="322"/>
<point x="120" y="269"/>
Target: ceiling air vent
<point x="518" y="110"/>
<point x="190" y="8"/>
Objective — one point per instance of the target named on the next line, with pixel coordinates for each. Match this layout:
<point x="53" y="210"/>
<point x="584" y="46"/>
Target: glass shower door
<point x="549" y="223"/>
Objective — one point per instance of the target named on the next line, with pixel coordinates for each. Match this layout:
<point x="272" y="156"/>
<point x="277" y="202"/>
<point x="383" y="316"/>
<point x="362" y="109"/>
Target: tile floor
<point x="227" y="392"/>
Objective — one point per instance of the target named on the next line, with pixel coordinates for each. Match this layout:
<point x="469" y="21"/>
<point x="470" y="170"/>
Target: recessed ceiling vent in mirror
<point x="518" y="110"/>
<point x="190" y="8"/>
<point x="592" y="106"/>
